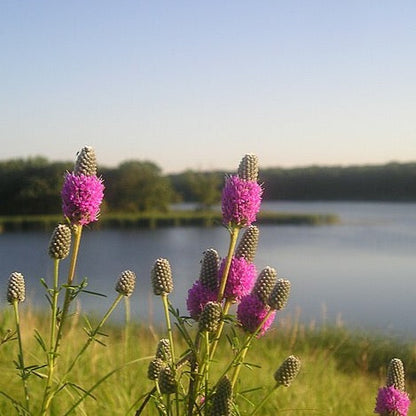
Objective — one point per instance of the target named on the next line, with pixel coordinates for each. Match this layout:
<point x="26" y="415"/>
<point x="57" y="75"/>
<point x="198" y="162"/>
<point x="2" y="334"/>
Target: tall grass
<point x="341" y="369"/>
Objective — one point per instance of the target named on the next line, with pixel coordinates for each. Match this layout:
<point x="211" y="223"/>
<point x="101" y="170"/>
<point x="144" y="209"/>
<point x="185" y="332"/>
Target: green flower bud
<point x="395" y="374"/>
<point x="86" y="162"/>
<point x="161" y="275"/>
<point x="163" y="350"/>
<point x="279" y="295"/>
<point x="221" y="402"/>
<point x="247" y="246"/>
<point x="167" y="382"/>
<point x="16" y="288"/>
<point x="265" y="284"/>
<point x="287" y="372"/>
<point x="126" y="283"/>
<point x="154" y="368"/>
<point x="209" y="269"/>
<point x="210" y="317"/>
<point x="249" y="168"/>
<point x="60" y="242"/>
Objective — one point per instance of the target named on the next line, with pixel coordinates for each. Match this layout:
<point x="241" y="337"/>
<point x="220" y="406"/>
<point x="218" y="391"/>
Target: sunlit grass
<point x="341" y="370"/>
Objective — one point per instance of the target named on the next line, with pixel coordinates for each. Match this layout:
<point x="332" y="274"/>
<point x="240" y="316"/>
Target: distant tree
<point x="137" y="186"/>
<point x="205" y="187"/>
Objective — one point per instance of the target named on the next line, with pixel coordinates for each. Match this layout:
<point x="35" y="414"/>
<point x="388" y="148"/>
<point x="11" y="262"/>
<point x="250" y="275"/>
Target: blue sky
<point x="196" y="84"/>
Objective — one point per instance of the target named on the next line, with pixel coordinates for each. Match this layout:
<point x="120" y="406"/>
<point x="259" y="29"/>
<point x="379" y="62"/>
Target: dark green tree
<point x="137" y="186"/>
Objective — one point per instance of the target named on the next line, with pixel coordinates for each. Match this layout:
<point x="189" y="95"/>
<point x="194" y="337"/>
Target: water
<point x="361" y="271"/>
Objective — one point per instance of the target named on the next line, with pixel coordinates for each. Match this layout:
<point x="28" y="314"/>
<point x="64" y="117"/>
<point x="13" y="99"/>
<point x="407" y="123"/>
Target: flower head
<point x="86" y="162"/>
<point x="16" y="291"/>
<point x="198" y="296"/>
<point x="241" y="277"/>
<point x="287" y="371"/>
<point x="126" y="283"/>
<point x="240" y="201"/>
<point x="251" y="313"/>
<point x="60" y="242"/>
<point x="81" y="198"/>
<point x="161" y="275"/>
<point x="390" y="400"/>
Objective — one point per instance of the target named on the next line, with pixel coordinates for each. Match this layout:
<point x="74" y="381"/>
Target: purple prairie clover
<point x="241" y="278"/>
<point x="198" y="296"/>
<point x="251" y="312"/>
<point x="391" y="401"/>
<point x="241" y="201"/>
<point x="81" y="198"/>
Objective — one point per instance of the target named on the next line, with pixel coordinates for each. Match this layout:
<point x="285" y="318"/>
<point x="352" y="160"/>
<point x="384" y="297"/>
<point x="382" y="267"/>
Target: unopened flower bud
<point x="395" y="374"/>
<point x="279" y="295"/>
<point x="162" y="277"/>
<point x="163" y="350"/>
<point x="210" y="317"/>
<point x="287" y="372"/>
<point x="221" y="402"/>
<point x="265" y="284"/>
<point x="86" y="163"/>
<point x="248" y="168"/>
<point x="60" y="242"/>
<point x="247" y="246"/>
<point x="154" y="368"/>
<point x="209" y="269"/>
<point x="126" y="283"/>
<point x="167" y="382"/>
<point x="16" y="288"/>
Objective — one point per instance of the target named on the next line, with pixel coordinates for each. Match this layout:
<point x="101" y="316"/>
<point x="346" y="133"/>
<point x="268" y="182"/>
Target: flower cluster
<point x="82" y="191"/>
<point x="392" y="399"/>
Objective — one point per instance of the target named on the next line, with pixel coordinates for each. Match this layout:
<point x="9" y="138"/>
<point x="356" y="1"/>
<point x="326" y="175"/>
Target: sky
<point x="197" y="84"/>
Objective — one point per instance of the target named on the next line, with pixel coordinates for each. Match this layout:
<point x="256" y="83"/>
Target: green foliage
<point x="205" y="187"/>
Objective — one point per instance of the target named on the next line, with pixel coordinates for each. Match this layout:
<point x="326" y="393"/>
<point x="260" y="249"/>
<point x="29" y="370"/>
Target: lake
<point x="361" y="271"/>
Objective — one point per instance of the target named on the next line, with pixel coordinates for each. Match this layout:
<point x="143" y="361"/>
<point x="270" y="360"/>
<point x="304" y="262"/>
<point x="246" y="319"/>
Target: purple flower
<point x="198" y="297"/>
<point x="81" y="198"/>
<point x="389" y="399"/>
<point x="241" y="277"/>
<point x="250" y="313"/>
<point x="240" y="201"/>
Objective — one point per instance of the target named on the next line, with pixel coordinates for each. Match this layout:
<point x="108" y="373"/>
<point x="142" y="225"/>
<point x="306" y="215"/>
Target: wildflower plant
<point x="194" y="382"/>
<point x="82" y="195"/>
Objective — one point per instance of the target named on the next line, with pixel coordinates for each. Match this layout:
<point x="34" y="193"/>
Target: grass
<point x="341" y="369"/>
<point x="158" y="219"/>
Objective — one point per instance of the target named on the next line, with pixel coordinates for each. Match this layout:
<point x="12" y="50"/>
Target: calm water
<point x="362" y="271"/>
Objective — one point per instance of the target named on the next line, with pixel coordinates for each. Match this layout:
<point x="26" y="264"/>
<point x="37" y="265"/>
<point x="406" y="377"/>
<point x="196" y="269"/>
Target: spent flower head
<point x="16" y="288"/>
<point x="81" y="198"/>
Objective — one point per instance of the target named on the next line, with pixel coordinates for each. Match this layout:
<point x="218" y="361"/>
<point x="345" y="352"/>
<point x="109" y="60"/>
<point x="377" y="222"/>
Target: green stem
<point x="169" y="328"/>
<point x="51" y="354"/>
<point x="264" y="400"/>
<point x="94" y="333"/>
<point x="237" y="368"/>
<point x="21" y="357"/>
<point x="233" y="241"/>
<point x="206" y="363"/>
<point x="70" y="279"/>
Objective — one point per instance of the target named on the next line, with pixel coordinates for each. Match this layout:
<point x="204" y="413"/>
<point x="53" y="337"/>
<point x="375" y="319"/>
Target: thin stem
<point x="217" y="336"/>
<point x="233" y="241"/>
<point x="193" y="379"/>
<point x="169" y="328"/>
<point x="264" y="400"/>
<point x="206" y="366"/>
<point x="70" y="279"/>
<point x="95" y="332"/>
<point x="51" y="353"/>
<point x="237" y="368"/>
<point x="21" y="357"/>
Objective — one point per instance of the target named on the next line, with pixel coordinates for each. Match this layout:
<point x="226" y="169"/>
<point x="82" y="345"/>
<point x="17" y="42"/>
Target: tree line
<point x="33" y="185"/>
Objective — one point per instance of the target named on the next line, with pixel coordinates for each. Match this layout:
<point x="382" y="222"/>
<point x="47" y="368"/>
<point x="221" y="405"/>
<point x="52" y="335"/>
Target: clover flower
<point x="240" y="201"/>
<point x="81" y="198"/>
<point x="391" y="401"/>
<point x="198" y="296"/>
<point x="251" y="312"/>
<point x="241" y="277"/>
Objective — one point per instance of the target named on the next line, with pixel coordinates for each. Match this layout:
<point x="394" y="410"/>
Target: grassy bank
<point x="156" y="219"/>
<point x="341" y="370"/>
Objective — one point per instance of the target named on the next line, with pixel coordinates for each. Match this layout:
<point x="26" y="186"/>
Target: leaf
<point x="40" y="340"/>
